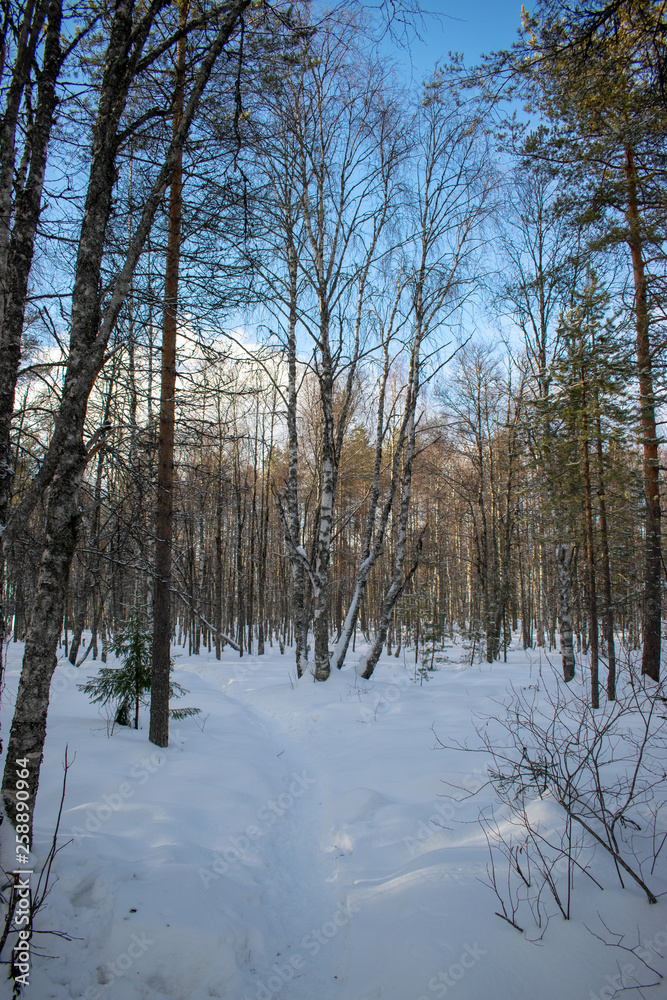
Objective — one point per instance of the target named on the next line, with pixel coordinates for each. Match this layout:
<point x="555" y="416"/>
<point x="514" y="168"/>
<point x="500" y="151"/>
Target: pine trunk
<point x="164" y="515"/>
<point x="564" y="557"/>
<point x="590" y="547"/>
<point x="606" y="569"/>
<point x="652" y="617"/>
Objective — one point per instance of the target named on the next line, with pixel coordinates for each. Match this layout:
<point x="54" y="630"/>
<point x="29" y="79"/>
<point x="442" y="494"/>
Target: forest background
<point x="296" y="349"/>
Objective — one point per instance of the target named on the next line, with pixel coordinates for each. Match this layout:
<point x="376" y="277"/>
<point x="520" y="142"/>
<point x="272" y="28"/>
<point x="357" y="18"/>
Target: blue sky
<point x="473" y="27"/>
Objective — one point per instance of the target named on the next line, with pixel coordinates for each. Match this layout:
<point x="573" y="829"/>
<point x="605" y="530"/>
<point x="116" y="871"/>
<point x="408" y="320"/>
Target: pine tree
<point x="127" y="686"/>
<point x="597" y="88"/>
<point x="587" y="409"/>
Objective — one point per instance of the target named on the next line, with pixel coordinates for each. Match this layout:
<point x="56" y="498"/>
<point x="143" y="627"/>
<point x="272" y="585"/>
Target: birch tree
<point x="131" y="49"/>
<point x="339" y="144"/>
<point x="34" y="50"/>
<point x="453" y="189"/>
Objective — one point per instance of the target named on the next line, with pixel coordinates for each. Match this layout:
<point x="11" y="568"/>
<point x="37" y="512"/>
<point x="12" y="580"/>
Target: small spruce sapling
<point x="433" y="638"/>
<point x="128" y="685"/>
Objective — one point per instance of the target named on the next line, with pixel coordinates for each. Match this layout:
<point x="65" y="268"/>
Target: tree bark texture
<point x="652" y="620"/>
<point x="398" y="581"/>
<point x="590" y="550"/>
<point x="606" y="568"/>
<point x="18" y="225"/>
<point x="66" y="456"/>
<point x="564" y="557"/>
<point x="159" y="716"/>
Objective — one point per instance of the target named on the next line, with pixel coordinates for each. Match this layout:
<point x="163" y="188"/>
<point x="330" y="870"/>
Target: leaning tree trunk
<point x="398" y="582"/>
<point x="86" y="354"/>
<point x="89" y="337"/>
<point x="373" y="546"/>
<point x="29" y="726"/>
<point x="17" y="241"/>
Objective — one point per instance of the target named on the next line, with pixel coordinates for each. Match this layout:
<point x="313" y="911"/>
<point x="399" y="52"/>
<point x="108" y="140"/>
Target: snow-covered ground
<point x="295" y="842"/>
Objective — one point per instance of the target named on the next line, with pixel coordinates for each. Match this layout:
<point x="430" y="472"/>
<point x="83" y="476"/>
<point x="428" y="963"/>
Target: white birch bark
<point x="451" y="200"/>
<point x="330" y="219"/>
<point x="375" y="529"/>
<point x="18" y="224"/>
<point x="398" y="582"/>
<point x="89" y="337"/>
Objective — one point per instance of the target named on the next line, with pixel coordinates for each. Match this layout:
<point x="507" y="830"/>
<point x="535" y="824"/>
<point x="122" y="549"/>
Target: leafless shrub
<point x="605" y="771"/>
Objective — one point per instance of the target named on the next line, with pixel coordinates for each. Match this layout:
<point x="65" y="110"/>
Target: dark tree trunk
<point x="17" y="243"/>
<point x="164" y="515"/>
<point x="606" y="569"/>
<point x="590" y="548"/>
<point x="66" y="455"/>
<point x="564" y="557"/>
<point x="652" y="618"/>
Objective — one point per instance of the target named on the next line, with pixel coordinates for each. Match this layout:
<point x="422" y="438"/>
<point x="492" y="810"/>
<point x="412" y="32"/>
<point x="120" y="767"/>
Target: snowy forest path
<point x="316" y="904"/>
<point x="293" y="842"/>
<point x="349" y="869"/>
